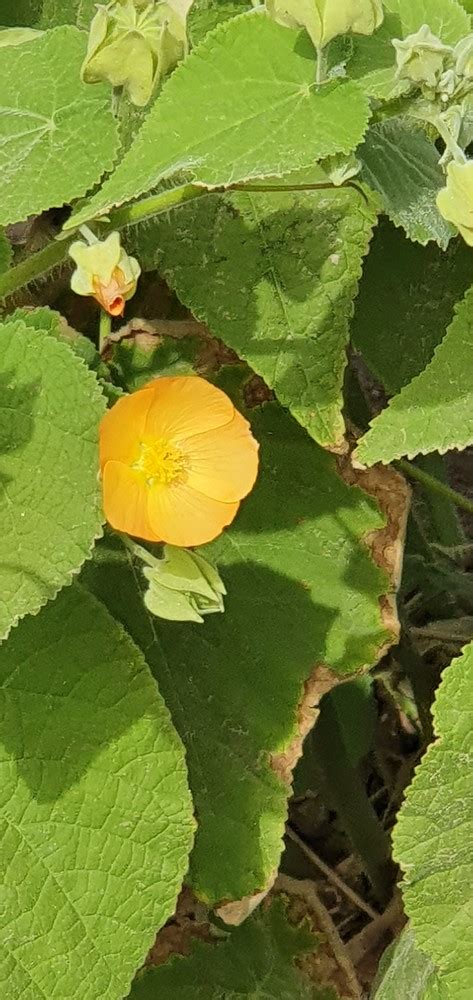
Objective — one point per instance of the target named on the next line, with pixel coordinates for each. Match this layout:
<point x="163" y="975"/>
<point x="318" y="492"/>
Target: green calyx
<point x="134" y="45"/>
<point x="182" y="586"/>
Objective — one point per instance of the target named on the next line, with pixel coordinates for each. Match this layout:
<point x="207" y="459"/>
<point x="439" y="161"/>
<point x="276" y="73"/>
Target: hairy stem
<point x="55" y="253"/>
<point x="430" y="483"/>
<point x="105" y="329"/>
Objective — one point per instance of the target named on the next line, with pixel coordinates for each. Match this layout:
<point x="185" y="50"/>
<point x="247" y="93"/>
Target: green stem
<point x="435" y="485"/>
<point x="137" y="550"/>
<point x="321" y="69"/>
<point x="33" y="267"/>
<point x="129" y="215"/>
<point x="55" y="253"/>
<point x="105" y="329"/>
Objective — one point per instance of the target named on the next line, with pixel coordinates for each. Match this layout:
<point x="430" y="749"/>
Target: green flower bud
<point x="183" y="586"/>
<point x="421" y="57"/>
<point x="455" y="201"/>
<point x="325" y="19"/>
<point x="16" y="36"/>
<point x="463" y="55"/>
<point x="105" y="271"/>
<point x="133" y="45"/>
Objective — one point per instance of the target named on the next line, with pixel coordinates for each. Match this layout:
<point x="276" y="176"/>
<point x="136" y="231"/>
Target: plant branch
<point x="433" y="484"/>
<point x="331" y="875"/>
<point x="105" y="329"/>
<point x="55" y="253"/>
<point x="306" y="891"/>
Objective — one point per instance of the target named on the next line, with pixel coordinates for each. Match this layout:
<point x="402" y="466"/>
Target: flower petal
<point x="223" y="463"/>
<point x="180" y="515"/>
<point x="185" y="405"/>
<point x="123" y="427"/>
<point x="125" y="501"/>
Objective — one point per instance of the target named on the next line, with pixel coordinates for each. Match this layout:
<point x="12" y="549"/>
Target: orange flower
<point x="176" y="460"/>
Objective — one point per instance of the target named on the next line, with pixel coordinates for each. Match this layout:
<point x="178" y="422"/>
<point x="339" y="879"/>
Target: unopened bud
<point x="133" y="45"/>
<point x="325" y="19"/>
<point x="183" y="586"/>
<point x="421" y="57"/>
<point x="455" y="201"/>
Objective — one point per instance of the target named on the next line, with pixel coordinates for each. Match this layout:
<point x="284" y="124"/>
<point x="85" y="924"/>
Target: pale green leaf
<point x="244" y="104"/>
<point x="405" y="304"/>
<point x="301" y="590"/>
<point x="50" y="510"/>
<point x="57" y="135"/>
<point x="401" y="164"/>
<point x="256" y="962"/>
<point x="281" y="273"/>
<point x="95" y="810"/>
<point x="406" y="973"/>
<point x="204" y="15"/>
<point x="434" y="412"/>
<point x="433" y="836"/>
<point x="79" y="12"/>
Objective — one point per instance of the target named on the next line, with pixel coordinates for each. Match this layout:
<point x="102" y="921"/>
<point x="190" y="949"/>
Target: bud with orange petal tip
<point x="105" y="271"/>
<point x="176" y="460"/>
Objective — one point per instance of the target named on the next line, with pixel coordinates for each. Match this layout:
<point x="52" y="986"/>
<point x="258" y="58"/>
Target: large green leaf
<point x="50" y="505"/>
<point x="281" y="273"/>
<point x="433" y="836"/>
<point x="57" y="135"/>
<point x="405" y="304"/>
<point x="401" y="164"/>
<point x="434" y="412"/>
<point x="405" y="973"/>
<point x="256" y="962"/>
<point x="96" y="815"/>
<point x="302" y="590"/>
<point x="244" y="104"/>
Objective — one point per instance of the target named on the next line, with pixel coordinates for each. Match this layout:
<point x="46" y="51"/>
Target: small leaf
<point x="281" y="276"/>
<point x="406" y="972"/>
<point x="256" y="962"/>
<point x="50" y="509"/>
<point x="96" y="813"/>
<point x="301" y="590"/>
<point x="214" y="123"/>
<point x="405" y="303"/>
<point x="402" y="165"/>
<point x="432" y="838"/>
<point x="57" y="135"/>
<point x="434" y="412"/>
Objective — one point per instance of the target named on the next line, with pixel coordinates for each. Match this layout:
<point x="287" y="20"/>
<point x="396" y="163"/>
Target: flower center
<point x="160" y="462"/>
